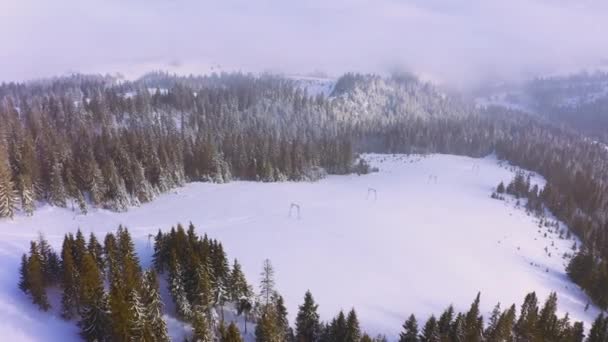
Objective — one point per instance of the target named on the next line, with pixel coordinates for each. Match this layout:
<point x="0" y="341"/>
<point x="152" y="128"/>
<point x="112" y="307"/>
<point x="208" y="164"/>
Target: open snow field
<point x="433" y="236"/>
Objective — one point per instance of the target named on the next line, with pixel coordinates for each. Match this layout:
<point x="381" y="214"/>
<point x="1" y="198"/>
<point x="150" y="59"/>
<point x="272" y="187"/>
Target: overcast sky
<point x="458" y="41"/>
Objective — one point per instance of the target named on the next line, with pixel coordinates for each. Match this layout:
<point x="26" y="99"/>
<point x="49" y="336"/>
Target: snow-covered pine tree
<point x="267" y="282"/>
<point x="177" y="289"/>
<point x="154" y="308"/>
<point x="308" y="327"/>
<point x="57" y="191"/>
<point x="202" y="329"/>
<point x="8" y="195"/>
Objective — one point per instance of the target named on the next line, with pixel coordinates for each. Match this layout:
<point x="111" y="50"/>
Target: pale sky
<point x="452" y="41"/>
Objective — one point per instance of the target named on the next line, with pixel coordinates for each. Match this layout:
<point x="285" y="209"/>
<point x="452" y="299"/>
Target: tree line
<point x="106" y="291"/>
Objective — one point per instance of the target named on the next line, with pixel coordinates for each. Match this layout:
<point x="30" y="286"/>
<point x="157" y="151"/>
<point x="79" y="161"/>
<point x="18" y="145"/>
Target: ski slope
<point x="432" y="237"/>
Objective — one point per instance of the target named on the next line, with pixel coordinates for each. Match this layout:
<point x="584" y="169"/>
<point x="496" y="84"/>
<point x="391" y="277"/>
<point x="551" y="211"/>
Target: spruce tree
<point x="202" y="329"/>
<point x="232" y="334"/>
<point x="410" y="330"/>
<point x="23" y="285"/>
<point x="445" y="322"/>
<point x="267" y="282"/>
<point x="95" y="322"/>
<point x="69" y="281"/>
<point x="353" y="332"/>
<point x="307" y="321"/>
<point x="473" y="326"/>
<point x="430" y="332"/>
<point x="599" y="329"/>
<point x="154" y="307"/>
<point x="281" y="316"/>
<point x="525" y="328"/>
<point x="35" y="279"/>
<point x="8" y="195"/>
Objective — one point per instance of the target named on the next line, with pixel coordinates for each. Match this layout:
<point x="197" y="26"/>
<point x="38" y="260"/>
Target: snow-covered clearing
<point x="433" y="236"/>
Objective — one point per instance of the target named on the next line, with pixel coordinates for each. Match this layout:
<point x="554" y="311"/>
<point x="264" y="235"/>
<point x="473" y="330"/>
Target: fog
<point x="455" y="42"/>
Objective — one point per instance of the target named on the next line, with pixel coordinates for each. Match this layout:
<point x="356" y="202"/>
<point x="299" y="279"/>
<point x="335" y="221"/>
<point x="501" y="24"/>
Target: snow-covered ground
<point x="433" y="236"/>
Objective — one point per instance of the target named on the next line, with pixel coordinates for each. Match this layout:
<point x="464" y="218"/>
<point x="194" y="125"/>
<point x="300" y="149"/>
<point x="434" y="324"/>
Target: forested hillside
<point x="93" y="141"/>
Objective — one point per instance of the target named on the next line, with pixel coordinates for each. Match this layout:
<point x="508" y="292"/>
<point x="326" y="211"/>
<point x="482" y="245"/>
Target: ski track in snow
<point x="420" y="246"/>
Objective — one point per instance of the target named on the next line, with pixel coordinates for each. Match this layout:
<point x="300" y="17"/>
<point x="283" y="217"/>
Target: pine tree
<point x="547" y="324"/>
<point x="69" y="281"/>
<point x="35" y="278"/>
<point x="338" y="329"/>
<point x="23" y="285"/>
<point x="95" y="322"/>
<point x="267" y="329"/>
<point x="232" y="334"/>
<point x="154" y="307"/>
<point x="457" y="332"/>
<point x="96" y="250"/>
<point x="307" y="321"/>
<point x="202" y="330"/>
<point x="267" y="282"/>
<point x="578" y="332"/>
<point x="492" y="332"/>
<point x="430" y="332"/>
<point x="8" y="195"/>
<point x="238" y="287"/>
<point x="599" y="329"/>
<point x="525" y="328"/>
<point x="57" y="192"/>
<point x="177" y="289"/>
<point x="410" y="330"/>
<point x="472" y="322"/>
<point x="353" y="332"/>
<point x="285" y="330"/>
<point x="445" y="322"/>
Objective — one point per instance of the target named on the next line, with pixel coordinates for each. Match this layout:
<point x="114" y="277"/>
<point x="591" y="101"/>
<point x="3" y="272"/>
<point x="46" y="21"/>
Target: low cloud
<point x="458" y="42"/>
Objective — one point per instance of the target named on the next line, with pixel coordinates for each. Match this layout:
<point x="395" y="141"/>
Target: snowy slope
<point x="418" y="247"/>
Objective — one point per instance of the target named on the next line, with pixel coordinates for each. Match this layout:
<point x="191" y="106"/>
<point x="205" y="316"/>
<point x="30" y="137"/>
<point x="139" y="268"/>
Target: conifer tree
<point x="23" y="285"/>
<point x="547" y="324"/>
<point x="308" y="327"/>
<point x="238" y="287"/>
<point x="267" y="282"/>
<point x="96" y="250"/>
<point x="492" y="331"/>
<point x="8" y="195"/>
<point x="177" y="290"/>
<point x="353" y="332"/>
<point x="267" y="329"/>
<point x="525" y="328"/>
<point x="232" y="334"/>
<point x="457" y="332"/>
<point x="445" y="322"/>
<point x="69" y="281"/>
<point x="285" y="330"/>
<point x="599" y="329"/>
<point x="35" y="278"/>
<point x="338" y="328"/>
<point x="410" y="330"/>
<point x="154" y="308"/>
<point x="94" y="323"/>
<point x="202" y="330"/>
<point x="473" y="324"/>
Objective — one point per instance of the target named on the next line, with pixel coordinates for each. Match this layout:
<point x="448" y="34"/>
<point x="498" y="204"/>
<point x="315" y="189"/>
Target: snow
<point x="415" y="249"/>
<point x="314" y="85"/>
